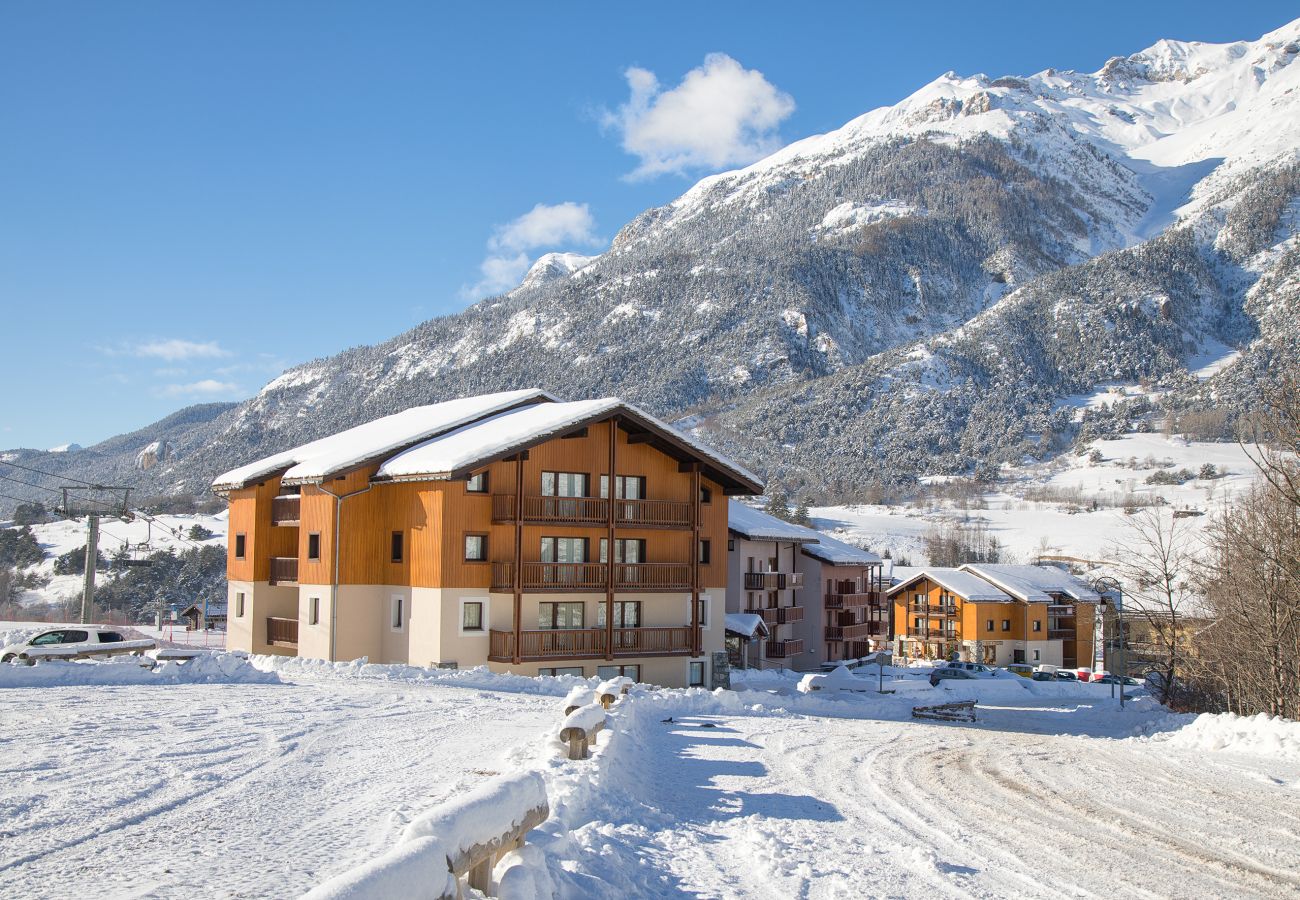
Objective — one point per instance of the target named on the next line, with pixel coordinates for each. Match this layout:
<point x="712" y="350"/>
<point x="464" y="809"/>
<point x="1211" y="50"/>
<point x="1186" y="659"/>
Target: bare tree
<point x="1156" y="560"/>
<point x="1274" y="437"/>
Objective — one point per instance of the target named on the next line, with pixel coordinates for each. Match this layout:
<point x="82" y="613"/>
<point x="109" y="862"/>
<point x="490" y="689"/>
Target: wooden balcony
<point x="594" y="511"/>
<point x="856" y="632"/>
<point x="282" y="632"/>
<point x="932" y="634"/>
<point x="286" y="510"/>
<point x="1061" y="634"/>
<point x="784" y="649"/>
<point x="850" y="600"/>
<point x="773" y="581"/>
<point x="284" y="570"/>
<point x="590" y="577"/>
<point x="932" y="610"/>
<point x="588" y="643"/>
<point x="779" y="615"/>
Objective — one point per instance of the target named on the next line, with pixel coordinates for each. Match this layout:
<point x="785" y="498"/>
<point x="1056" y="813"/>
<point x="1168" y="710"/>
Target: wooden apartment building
<point x="995" y="614"/>
<point x="488" y="530"/>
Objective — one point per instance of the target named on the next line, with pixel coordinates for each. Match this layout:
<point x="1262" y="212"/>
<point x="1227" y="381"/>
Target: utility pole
<point x="92" y="556"/>
<point x="93" y="502"/>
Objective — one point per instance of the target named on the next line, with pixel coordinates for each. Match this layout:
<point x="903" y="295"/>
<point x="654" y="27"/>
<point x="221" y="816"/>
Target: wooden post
<point x="518" y="573"/>
<point x="610" y="554"/>
<point x="696" y="638"/>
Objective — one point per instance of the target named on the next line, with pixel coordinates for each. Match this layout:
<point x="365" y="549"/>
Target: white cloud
<point x="174" y="350"/>
<point x="721" y="115"/>
<point x="208" y="387"/>
<point x="564" y="224"/>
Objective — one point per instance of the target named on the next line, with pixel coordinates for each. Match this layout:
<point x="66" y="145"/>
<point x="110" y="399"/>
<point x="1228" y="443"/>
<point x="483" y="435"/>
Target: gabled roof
<point x="455" y="454"/>
<point x="746" y="625"/>
<point x="373" y="440"/>
<point x="966" y="585"/>
<point x="756" y="525"/>
<point x="837" y="553"/>
<point x="1035" y="584"/>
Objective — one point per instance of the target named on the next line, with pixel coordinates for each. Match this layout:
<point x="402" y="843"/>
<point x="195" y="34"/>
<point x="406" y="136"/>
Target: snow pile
<point x="207" y="668"/>
<point x="841" y="679"/>
<point x="18" y="635"/>
<point x="584" y="717"/>
<point x="579" y="696"/>
<point x="478" y="677"/>
<point x="414" y="869"/>
<point x="1258" y="735"/>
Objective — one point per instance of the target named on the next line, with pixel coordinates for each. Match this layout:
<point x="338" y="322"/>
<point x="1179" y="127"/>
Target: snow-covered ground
<point x="1042" y="797"/>
<point x="1063" y="525"/>
<point x="234" y="790"/>
<point x="264" y="789"/>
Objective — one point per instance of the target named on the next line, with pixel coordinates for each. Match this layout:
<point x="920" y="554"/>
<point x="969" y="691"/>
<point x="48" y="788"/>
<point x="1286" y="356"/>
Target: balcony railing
<point x="286" y="510"/>
<point x="852" y="632"/>
<point x="281" y="632"/>
<point x="588" y="643"/>
<point x="784" y="649"/>
<point x="849" y="600"/>
<point x="932" y="610"/>
<point x="932" y="634"/>
<point x="773" y="581"/>
<point x="1061" y="634"/>
<point x="779" y="615"/>
<point x="594" y="511"/>
<point x="1060" y="609"/>
<point x="284" y="570"/>
<point x="588" y="577"/>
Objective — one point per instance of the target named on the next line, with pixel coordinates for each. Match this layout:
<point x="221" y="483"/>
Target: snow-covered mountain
<point x="920" y="291"/>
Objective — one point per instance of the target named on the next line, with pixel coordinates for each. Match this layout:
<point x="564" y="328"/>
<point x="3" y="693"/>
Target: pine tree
<point x="801" y="516"/>
<point x="778" y="505"/>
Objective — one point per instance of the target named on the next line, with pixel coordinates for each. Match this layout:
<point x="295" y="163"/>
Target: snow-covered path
<point x="770" y="806"/>
<point x="234" y="790"/>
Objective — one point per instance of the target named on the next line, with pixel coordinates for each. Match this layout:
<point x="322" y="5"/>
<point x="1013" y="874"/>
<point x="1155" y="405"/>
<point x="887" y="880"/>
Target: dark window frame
<point x="313" y="546"/>
<point x="988" y="625"/>
<point x="482" y="478"/>
<point x="1006" y="624"/>
<point x="690" y="674"/>
<point x="706" y="551"/>
<point x="241" y="546"/>
<point x="482" y="535"/>
<point x="465" y="606"/>
<point x="397" y="547"/>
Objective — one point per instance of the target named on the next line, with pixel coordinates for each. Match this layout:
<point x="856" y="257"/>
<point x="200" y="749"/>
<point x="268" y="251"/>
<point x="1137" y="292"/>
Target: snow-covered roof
<point x="362" y="443"/>
<point x="837" y="553"/>
<point x="746" y="624"/>
<point x="964" y="584"/>
<point x="474" y="445"/>
<point x="757" y="525"/>
<point x="1035" y="584"/>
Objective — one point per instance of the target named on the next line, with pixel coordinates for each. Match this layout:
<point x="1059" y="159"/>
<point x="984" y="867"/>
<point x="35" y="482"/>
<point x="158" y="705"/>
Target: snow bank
<point x="1258" y="735"/>
<point x="840" y="679"/>
<point x="415" y="869"/>
<point x="207" y="668"/>
<point x="479" y="677"/>
<point x="478" y="817"/>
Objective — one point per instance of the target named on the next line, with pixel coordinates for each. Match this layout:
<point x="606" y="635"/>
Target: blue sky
<point x="198" y="195"/>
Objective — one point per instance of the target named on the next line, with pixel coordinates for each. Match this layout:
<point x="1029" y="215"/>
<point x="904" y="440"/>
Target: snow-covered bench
<point x="462" y="838"/>
<point x="579" y="696"/>
<point x="580" y="728"/>
<point x="957" y="711"/>
<point x="32" y="655"/>
<point x="609" y="691"/>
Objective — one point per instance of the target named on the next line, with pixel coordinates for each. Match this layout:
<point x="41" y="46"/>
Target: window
<point x="703" y="603"/>
<point x="398" y="619"/>
<point x="313" y="611"/>
<point x="476" y="548"/>
<point x="556" y="671"/>
<point x="559" y="615"/>
<point x="1036" y="657"/>
<point x="471" y="615"/>
<point x="396" y="547"/>
<point x="564" y="550"/>
<point x="1006" y="624"/>
<point x="706" y="494"/>
<point x="313" y="545"/>
<point x="697" y="674"/>
<point x="626" y="550"/>
<point x="48" y="639"/>
<point x="110" y="637"/>
<point x="1038" y="625"/>
<point x="240" y="544"/>
<point x="633" y="672"/>
<point x="477" y="484"/>
<point x="988" y="624"/>
<point x="239" y="606"/>
<point x="627" y="614"/>
<point x="705" y="552"/>
<point x="731" y="545"/>
<point x="566" y="484"/>
<point x="627" y="487"/>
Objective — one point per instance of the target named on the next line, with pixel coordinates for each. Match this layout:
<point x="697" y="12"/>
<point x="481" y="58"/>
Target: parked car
<point x="974" y="668"/>
<point x="1024" y="670"/>
<point x="1109" y="679"/>
<point x="83" y="637"/>
<point x="1044" y="676"/>
<point x="1066" y="675"/>
<point x="945" y="672"/>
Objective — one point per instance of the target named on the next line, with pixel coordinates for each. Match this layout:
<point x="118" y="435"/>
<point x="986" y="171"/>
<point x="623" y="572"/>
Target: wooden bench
<point x="580" y="728"/>
<point x="32" y="655"/>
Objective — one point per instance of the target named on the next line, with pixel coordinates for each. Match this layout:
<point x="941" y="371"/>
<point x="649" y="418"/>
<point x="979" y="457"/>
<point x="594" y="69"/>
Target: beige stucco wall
<point x="248" y="632"/>
<point x="666" y="671"/>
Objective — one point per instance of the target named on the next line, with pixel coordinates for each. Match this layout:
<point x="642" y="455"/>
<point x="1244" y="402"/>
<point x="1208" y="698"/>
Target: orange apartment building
<point x="483" y="531"/>
<point x="995" y="614"/>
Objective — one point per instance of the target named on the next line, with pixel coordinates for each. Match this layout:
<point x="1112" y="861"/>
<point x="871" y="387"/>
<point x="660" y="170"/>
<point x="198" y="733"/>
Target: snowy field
<point x="233" y="790"/>
<point x="1025" y="527"/>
